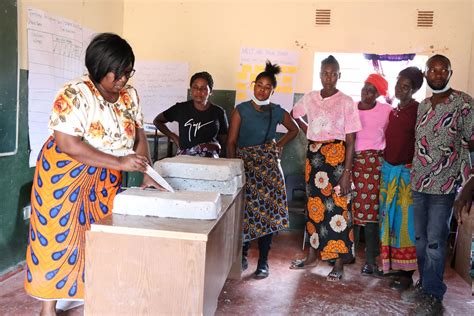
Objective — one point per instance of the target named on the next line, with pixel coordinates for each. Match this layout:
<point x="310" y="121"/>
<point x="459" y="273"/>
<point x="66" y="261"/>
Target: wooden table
<point x="151" y="265"/>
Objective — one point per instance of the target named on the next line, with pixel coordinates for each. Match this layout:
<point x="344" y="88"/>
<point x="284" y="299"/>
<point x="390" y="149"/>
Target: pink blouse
<point x="374" y="122"/>
<point x="329" y="118"/>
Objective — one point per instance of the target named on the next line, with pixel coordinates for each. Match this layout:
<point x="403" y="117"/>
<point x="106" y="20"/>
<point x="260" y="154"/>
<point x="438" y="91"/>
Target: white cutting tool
<point x="159" y="179"/>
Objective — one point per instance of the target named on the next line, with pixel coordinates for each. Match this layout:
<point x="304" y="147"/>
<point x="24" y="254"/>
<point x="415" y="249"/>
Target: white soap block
<point x="190" y="167"/>
<point x="182" y="204"/>
<point x="229" y="187"/>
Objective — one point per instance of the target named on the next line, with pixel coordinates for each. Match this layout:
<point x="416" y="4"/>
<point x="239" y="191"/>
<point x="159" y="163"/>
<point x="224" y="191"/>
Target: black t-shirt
<point x="197" y="127"/>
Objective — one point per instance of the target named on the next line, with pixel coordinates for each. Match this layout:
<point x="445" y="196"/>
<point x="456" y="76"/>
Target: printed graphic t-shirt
<point x="197" y="127"/>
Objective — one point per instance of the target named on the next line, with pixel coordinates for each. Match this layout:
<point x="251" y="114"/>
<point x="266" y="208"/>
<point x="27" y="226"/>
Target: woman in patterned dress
<point x="368" y="158"/>
<point x="252" y="137"/>
<point x="95" y="125"/>
<point x="397" y="231"/>
<point x="333" y="121"/>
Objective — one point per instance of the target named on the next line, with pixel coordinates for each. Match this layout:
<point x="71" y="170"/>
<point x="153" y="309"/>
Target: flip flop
<point x="334" y="276"/>
<point x="297" y="264"/>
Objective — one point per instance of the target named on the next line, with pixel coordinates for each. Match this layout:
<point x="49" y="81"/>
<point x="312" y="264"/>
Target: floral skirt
<point x="265" y="206"/>
<point x="66" y="198"/>
<point x="397" y="227"/>
<point x="329" y="222"/>
<point x="366" y="176"/>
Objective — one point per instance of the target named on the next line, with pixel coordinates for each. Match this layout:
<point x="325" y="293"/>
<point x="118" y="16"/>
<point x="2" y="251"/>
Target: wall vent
<point x="425" y="18"/>
<point x="322" y="17"/>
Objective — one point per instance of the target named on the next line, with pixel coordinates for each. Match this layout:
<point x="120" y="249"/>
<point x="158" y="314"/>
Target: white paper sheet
<point x="160" y="85"/>
<point x="56" y="48"/>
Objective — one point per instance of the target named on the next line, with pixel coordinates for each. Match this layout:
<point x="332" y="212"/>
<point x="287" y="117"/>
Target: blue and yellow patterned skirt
<point x="266" y="207"/>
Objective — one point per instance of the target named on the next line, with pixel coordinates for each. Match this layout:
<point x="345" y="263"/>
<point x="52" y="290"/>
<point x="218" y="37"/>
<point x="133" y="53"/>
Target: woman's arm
<point x="234" y="128"/>
<point x="141" y="144"/>
<point x="292" y="128"/>
<point x="222" y="138"/>
<point x="142" y="149"/>
<point x="345" y="180"/>
<point x="160" y="123"/>
<point x="301" y="123"/>
<point x="86" y="154"/>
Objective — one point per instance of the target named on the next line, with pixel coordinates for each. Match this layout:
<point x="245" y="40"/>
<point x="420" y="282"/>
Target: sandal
<point x="297" y="264"/>
<point x="334" y="276"/>
<point x="371" y="270"/>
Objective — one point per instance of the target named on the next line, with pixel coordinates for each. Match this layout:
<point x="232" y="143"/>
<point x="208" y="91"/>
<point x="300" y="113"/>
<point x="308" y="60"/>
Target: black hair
<point x="271" y="70"/>
<point x="108" y="52"/>
<point x="440" y="57"/>
<point x="330" y="60"/>
<point x="413" y="74"/>
<point x="202" y="75"/>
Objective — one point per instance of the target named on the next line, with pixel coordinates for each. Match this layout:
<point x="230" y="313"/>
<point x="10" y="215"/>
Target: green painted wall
<point x="15" y="183"/>
<point x="16" y="178"/>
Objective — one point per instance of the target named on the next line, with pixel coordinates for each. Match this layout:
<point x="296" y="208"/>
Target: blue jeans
<point x="432" y="215"/>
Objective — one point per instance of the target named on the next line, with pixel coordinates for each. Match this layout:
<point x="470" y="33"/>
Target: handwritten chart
<point x="160" y="85"/>
<point x="56" y="49"/>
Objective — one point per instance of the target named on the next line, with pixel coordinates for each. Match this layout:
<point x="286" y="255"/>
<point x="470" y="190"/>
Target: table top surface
<point x="191" y="229"/>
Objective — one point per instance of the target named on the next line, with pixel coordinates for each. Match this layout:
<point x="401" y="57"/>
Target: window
<point x="355" y="69"/>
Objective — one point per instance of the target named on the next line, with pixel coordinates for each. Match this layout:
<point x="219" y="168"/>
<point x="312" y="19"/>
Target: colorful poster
<point x="252" y="62"/>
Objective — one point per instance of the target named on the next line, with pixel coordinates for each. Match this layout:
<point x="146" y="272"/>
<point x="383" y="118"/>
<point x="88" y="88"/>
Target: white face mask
<point x="446" y="88"/>
<point x="258" y="102"/>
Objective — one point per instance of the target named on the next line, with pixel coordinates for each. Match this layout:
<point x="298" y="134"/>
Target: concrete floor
<point x="287" y="292"/>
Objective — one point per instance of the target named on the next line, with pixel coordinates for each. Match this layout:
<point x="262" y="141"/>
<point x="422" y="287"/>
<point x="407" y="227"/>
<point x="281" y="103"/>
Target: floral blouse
<point x="80" y="110"/>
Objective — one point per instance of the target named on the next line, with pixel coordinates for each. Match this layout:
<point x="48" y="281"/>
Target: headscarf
<point x="379" y="83"/>
<point x="415" y="75"/>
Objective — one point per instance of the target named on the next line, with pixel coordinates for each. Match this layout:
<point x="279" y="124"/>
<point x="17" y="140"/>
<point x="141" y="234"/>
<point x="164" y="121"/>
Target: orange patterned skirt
<point x="66" y="198"/>
<point x="329" y="222"/>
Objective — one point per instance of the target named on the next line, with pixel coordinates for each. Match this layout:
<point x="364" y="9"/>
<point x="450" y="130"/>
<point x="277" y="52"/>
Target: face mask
<point x="446" y="88"/>
<point x="258" y="102"/>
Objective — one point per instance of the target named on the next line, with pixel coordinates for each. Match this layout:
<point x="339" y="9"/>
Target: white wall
<point x="209" y="34"/>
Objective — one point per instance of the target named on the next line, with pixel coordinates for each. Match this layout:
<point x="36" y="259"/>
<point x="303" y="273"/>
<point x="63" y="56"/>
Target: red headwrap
<point x="379" y="83"/>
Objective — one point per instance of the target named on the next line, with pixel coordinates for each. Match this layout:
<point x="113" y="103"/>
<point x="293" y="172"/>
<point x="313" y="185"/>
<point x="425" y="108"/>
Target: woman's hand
<point x="175" y="139"/>
<point x="345" y="183"/>
<point x="133" y="162"/>
<point x="148" y="182"/>
<point x="279" y="150"/>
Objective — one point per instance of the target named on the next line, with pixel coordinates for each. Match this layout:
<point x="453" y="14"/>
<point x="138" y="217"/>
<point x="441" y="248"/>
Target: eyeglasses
<point x="128" y="74"/>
